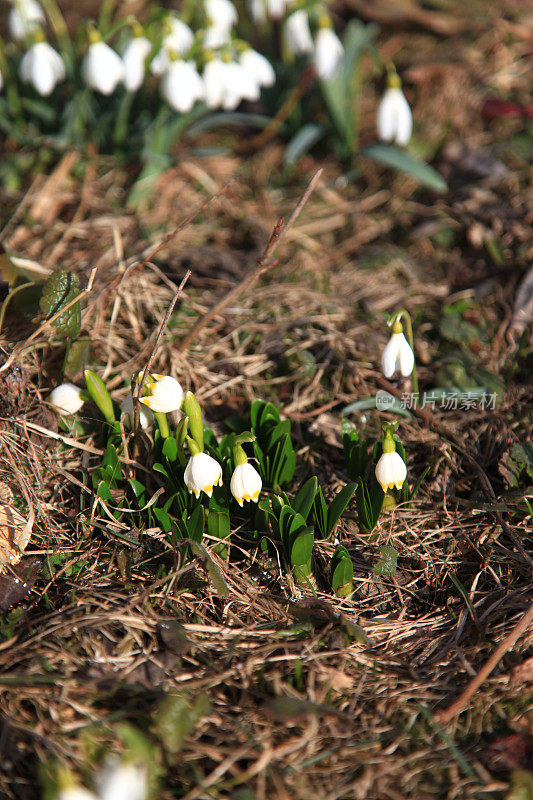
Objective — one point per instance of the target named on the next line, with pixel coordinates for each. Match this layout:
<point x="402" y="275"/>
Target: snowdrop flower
<point x="134" y="59"/>
<point x="164" y="394"/>
<point x="202" y="473"/>
<point x="390" y="469"/>
<point x="258" y="67"/>
<point x="215" y="37"/>
<point x="273" y="9"/>
<point x="42" y="67"/>
<point x="397" y="353"/>
<point x="245" y="483"/>
<point x="66" y="398"/>
<point x="25" y="18"/>
<point x="298" y="34"/>
<point x="394" y="118"/>
<point x="328" y="53"/>
<point x="178" y="38"/>
<point x="221" y="14"/>
<point x="102" y="68"/>
<point x="122" y="781"/>
<point x="240" y="85"/>
<point x="146" y="418"/>
<point x="181" y="86"/>
<point x="214" y="78"/>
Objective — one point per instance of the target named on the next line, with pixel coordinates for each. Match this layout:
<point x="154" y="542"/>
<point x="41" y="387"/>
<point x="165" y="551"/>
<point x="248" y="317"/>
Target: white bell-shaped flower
<point x="397" y="354"/>
<point x="240" y="85"/>
<point x="42" y="67"/>
<point x="258" y="66"/>
<point x="391" y="471"/>
<point x="122" y="781"/>
<point x="215" y="37"/>
<point x="163" y="394"/>
<point x="245" y="483"/>
<point x="134" y="59"/>
<point x="261" y="10"/>
<point x="66" y="398"/>
<point x="202" y="473"/>
<point x="394" y="118"/>
<point x="215" y="82"/>
<point x="178" y="39"/>
<point x="181" y="85"/>
<point x="102" y="68"/>
<point x="297" y="33"/>
<point x="328" y="53"/>
<point x="25" y="18"/>
<point x="146" y="418"/>
<point x="221" y="14"/>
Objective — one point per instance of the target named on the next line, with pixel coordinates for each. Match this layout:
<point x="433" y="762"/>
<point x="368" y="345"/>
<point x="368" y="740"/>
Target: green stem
<point x="161" y="418"/>
<point x="409" y="331"/>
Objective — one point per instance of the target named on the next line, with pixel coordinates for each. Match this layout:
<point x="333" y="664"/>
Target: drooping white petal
<point x="276" y="8"/>
<point x="221" y="14"/>
<point x="102" y="68"/>
<point x="42" y="67"/>
<point x="25" y="18"/>
<point x="394" y="119"/>
<point x="181" y="86"/>
<point x="258" y="66"/>
<point x="298" y="33"/>
<point x="163" y="394"/>
<point x="179" y="40"/>
<point x="66" y="398"/>
<point x="121" y="781"/>
<point x="216" y="37"/>
<point x="397" y="354"/>
<point x="391" y="471"/>
<point x="245" y="483"/>
<point x="202" y="473"/>
<point x="134" y="59"/>
<point x="214" y="82"/>
<point x="328" y="53"/>
<point x="146" y="418"/>
<point x="240" y="85"/>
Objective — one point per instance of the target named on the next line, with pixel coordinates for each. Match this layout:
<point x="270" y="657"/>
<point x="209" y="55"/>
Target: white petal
<point x="404" y="125"/>
<point x="258" y="66"/>
<point x="102" y="68"/>
<point x="24" y="19"/>
<point x="181" y="86"/>
<point x="214" y="83"/>
<point x="245" y="483"/>
<point x="298" y="34"/>
<point x="389" y="356"/>
<point x="406" y="356"/>
<point x="146" y="418"/>
<point x="134" y="60"/>
<point x="122" y="782"/>
<point x="221" y="13"/>
<point x="66" y="398"/>
<point x="328" y="53"/>
<point x="386" y="117"/>
<point x="391" y="471"/>
<point x="76" y="793"/>
<point x="276" y="8"/>
<point x="215" y="37"/>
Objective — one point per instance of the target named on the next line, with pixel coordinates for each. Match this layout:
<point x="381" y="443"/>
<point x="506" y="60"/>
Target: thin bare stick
<point x="138" y="387"/>
<point x="447" y="714"/>
<point x="264" y="263"/>
<point x="17" y="350"/>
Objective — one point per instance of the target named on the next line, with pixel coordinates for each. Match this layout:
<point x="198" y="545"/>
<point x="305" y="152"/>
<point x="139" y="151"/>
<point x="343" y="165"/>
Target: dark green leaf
<point x="302" y="142"/>
<point x="403" y="161"/>
<point x="304" y="500"/>
<point x="337" y="506"/>
<point x="60" y="288"/>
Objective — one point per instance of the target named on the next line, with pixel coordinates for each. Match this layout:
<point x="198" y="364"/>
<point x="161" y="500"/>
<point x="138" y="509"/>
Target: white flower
<point x="122" y="781"/>
<point x="25" y="18"/>
<point x="181" y="86"/>
<point x="221" y="14"/>
<point x="273" y="9"/>
<point x="134" y="59"/>
<point x="394" y="118"/>
<point x="178" y="39"/>
<point x="164" y="394"/>
<point x="202" y="473"/>
<point x="42" y="67"/>
<point x="240" y="85"/>
<point x="258" y="66"/>
<point x="298" y="34"/>
<point x="328" y="53"/>
<point x="146" y="418"/>
<point x="397" y="355"/>
<point x="391" y="471"/>
<point x="214" y="78"/>
<point x="102" y="68"/>
<point x="215" y="37"/>
<point x="245" y="483"/>
<point x="76" y="793"/>
<point x="66" y="398"/>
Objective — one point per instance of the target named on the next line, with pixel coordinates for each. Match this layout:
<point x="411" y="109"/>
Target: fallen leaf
<point x="15" y="534"/>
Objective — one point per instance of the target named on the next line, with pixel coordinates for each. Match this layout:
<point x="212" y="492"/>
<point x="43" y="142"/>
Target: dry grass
<point x="298" y="706"/>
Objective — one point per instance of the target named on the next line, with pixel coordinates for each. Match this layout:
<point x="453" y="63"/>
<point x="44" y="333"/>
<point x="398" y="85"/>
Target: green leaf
<point x="302" y="142"/>
<point x="337" y="506"/>
<point x="195" y="523"/>
<point x="387" y="563"/>
<point x="170" y="449"/>
<point x="302" y="548"/>
<point x="60" y="288"/>
<point x="320" y="513"/>
<point x="163" y="518"/>
<point x="342" y="575"/>
<point x="403" y="161"/>
<point x="304" y="500"/>
<point x="77" y="357"/>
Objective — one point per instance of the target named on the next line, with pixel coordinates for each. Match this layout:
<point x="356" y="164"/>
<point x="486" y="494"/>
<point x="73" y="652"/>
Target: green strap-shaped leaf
<point x="403" y="161"/>
<point x="337" y="506"/>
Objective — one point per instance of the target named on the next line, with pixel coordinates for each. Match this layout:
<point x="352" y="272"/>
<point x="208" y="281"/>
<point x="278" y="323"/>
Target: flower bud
<point x="202" y="473"/>
<point x="66" y="398"/>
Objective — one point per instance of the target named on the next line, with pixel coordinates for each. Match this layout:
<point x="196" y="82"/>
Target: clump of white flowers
<point x="394" y="118"/>
<point x="390" y="469"/>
